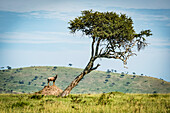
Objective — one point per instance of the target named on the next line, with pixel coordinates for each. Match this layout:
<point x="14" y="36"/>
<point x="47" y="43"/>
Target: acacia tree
<point x="113" y="37"/>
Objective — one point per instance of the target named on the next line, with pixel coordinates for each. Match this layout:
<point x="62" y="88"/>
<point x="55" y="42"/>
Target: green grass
<point x="33" y="79"/>
<point x="114" y="102"/>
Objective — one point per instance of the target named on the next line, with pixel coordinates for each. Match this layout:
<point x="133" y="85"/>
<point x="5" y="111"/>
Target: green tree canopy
<point x="113" y="32"/>
<point x="113" y="37"/>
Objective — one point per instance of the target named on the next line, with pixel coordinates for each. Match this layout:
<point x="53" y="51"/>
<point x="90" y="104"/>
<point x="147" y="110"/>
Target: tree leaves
<point x="114" y="33"/>
<point x="113" y="37"/>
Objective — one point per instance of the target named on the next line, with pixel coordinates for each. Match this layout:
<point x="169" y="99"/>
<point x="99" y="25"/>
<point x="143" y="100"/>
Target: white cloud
<point x="159" y="42"/>
<point x="66" y="10"/>
<point x="41" y="37"/>
<point x="66" y="16"/>
<point x="151" y="17"/>
<point x="40" y="5"/>
<point x="78" y="5"/>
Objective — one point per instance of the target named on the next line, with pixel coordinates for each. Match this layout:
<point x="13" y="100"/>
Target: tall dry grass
<point x="114" y="102"/>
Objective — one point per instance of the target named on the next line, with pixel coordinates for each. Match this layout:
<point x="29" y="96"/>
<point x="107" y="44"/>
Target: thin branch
<point x="94" y="68"/>
<point x="97" y="47"/>
<point x="92" y="47"/>
<point x="100" y="51"/>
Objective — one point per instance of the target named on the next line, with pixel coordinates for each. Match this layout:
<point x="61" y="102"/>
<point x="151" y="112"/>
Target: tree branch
<point x="97" y="47"/>
<point x="92" y="47"/>
<point x="94" y="68"/>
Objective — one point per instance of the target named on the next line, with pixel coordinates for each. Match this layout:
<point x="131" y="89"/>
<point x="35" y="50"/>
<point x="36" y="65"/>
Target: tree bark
<point x="72" y="85"/>
<point x="87" y="70"/>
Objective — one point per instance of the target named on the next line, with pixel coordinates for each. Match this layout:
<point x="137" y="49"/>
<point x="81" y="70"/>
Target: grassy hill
<point x="32" y="79"/>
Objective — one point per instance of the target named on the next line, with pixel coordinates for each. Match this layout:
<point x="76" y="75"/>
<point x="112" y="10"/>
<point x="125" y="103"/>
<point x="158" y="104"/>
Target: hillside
<point x="33" y="79"/>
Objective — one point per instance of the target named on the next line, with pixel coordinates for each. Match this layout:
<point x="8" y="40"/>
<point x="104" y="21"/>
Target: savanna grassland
<point x="140" y="94"/>
<point x="114" y="102"/>
<point x="33" y="79"/>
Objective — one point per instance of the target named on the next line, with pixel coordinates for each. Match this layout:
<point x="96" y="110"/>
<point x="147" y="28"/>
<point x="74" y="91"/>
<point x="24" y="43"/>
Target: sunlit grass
<point x="114" y="102"/>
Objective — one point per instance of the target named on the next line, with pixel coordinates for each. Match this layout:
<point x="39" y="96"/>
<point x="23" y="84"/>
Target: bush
<point x="75" y="99"/>
<point x="55" y="67"/>
<point x="108" y="76"/>
<point x="154" y="95"/>
<point x="20" y="104"/>
<point x="36" y="97"/>
<point x="105" y="98"/>
<point x="35" y="77"/>
<point x="106" y="80"/>
<point x="43" y="83"/>
<point x="154" y="92"/>
<point x="127" y="82"/>
<point x="21" y="82"/>
<point x="29" y="83"/>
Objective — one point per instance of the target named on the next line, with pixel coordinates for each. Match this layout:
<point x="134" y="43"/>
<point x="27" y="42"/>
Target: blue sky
<point x="34" y="33"/>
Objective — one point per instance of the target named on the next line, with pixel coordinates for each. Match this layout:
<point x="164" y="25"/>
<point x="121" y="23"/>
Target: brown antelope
<point x="52" y="79"/>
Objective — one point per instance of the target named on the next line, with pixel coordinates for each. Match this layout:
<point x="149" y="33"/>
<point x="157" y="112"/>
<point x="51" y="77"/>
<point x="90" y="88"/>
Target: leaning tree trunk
<point x="87" y="70"/>
<point x="73" y="84"/>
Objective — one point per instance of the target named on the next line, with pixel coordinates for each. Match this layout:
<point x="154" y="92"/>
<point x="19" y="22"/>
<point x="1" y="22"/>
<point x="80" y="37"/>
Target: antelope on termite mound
<point x="52" y="79"/>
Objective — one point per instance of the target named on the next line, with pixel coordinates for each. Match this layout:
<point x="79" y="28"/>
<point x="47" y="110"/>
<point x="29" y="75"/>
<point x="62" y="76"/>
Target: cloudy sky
<point x="34" y="33"/>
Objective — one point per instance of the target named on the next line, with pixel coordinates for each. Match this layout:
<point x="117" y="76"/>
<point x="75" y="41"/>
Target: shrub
<point x="29" y="83"/>
<point x="36" y="97"/>
<point x="105" y="98"/>
<point x="75" y="99"/>
<point x="49" y="101"/>
<point x="55" y="67"/>
<point x="108" y="71"/>
<point x="20" y="104"/>
<point x="127" y="82"/>
<point x="35" y="77"/>
<point x="106" y="80"/>
<point x="21" y="82"/>
<point x="121" y="76"/>
<point x="154" y="95"/>
<point x="17" y="70"/>
<point x="43" y="83"/>
<point x="154" y="91"/>
<point x="108" y="75"/>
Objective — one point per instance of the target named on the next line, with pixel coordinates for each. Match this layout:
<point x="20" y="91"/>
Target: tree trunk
<point x="72" y="85"/>
<point x="87" y="70"/>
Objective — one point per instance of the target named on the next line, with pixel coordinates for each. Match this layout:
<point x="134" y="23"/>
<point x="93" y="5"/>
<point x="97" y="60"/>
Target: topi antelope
<point x="52" y="79"/>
